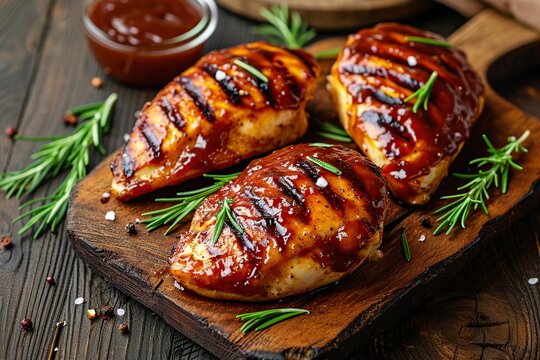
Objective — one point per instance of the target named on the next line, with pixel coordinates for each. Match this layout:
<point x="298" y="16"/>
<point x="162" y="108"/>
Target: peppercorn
<point x="97" y="82"/>
<point x="50" y="280"/>
<point x="105" y="197"/>
<point x="27" y="324"/>
<point x="91" y="314"/>
<point x="70" y="119"/>
<point x="426" y="222"/>
<point x="6" y="242"/>
<point x="130" y="228"/>
<point x="11" y="132"/>
<point x="106" y="312"/>
<point x="123" y="328"/>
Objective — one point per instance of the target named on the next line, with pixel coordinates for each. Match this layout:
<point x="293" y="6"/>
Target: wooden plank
<point x="367" y="303"/>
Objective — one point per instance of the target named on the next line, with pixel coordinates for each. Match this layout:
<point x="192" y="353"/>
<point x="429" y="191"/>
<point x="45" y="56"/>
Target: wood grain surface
<point x="336" y="14"/>
<point x="49" y="66"/>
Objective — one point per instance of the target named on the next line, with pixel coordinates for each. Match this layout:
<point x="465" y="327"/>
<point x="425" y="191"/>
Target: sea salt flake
<point x="411" y="60"/>
<point x="110" y="215"/>
<point x="55" y="349"/>
<point x="422" y="237"/>
<point x="125" y="137"/>
<point x="321" y="182"/>
<point x="137" y="221"/>
<point x="178" y="286"/>
<point x="220" y="75"/>
<point x="120" y="312"/>
<point x="79" y="300"/>
<point x="533" y="281"/>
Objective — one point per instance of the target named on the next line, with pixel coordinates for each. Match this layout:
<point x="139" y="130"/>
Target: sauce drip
<point x="144" y="22"/>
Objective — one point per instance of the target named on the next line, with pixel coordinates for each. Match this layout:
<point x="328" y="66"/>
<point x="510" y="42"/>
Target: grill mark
<point x="302" y="58"/>
<point x="153" y="141"/>
<point x="313" y="173"/>
<point x="403" y="79"/>
<point x="228" y="86"/>
<point x="264" y="88"/>
<point x="348" y="173"/>
<point x="287" y="187"/>
<point x="241" y="236"/>
<point x="172" y="113"/>
<point x="198" y="98"/>
<point x="386" y="121"/>
<point x="271" y="223"/>
<point x="386" y="99"/>
<point x="128" y="166"/>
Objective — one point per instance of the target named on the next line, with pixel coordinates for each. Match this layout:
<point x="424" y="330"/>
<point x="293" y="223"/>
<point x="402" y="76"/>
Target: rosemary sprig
<point x="423" y="93"/>
<point x="331" y="131"/>
<point x="324" y="165"/>
<point x="260" y="320"/>
<point x="223" y="213"/>
<point x="188" y="201"/>
<point x="499" y="161"/>
<point x="251" y="69"/>
<point x="405" y="245"/>
<point x="428" y="41"/>
<point x="70" y="152"/>
<point x="283" y="29"/>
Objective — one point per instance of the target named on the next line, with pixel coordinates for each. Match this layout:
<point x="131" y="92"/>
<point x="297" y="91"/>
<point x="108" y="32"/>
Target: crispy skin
<point x="375" y="72"/>
<point x="214" y="115"/>
<point x="303" y="226"/>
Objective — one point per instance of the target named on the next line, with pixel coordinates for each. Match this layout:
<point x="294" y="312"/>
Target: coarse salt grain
<point x="110" y="215"/>
<point x="137" y="221"/>
<point x="220" y="75"/>
<point x="79" y="300"/>
<point x="422" y="237"/>
<point x="411" y="60"/>
<point x="533" y="281"/>
<point x="178" y="286"/>
<point x="120" y="312"/>
<point x="321" y="182"/>
<point x="126" y="137"/>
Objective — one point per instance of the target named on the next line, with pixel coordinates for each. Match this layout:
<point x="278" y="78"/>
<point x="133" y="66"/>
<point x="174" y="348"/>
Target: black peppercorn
<point x="130" y="228"/>
<point x="50" y="280"/>
<point x="123" y="328"/>
<point x="426" y="222"/>
<point x="27" y="324"/>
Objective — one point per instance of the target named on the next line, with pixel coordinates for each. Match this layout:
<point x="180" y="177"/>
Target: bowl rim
<point x="186" y="41"/>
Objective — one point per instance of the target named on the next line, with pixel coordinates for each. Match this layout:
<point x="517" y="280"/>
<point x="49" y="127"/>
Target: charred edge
<point x="312" y="172"/>
<point x="198" y="98"/>
<point x="172" y="113"/>
<point x="302" y="56"/>
<point x="228" y="87"/>
<point x="266" y="213"/>
<point x="287" y="187"/>
<point x="153" y="141"/>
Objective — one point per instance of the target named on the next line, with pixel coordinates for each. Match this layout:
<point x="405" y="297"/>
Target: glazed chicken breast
<point x="375" y="72"/>
<point x="300" y="226"/>
<point x="216" y="114"/>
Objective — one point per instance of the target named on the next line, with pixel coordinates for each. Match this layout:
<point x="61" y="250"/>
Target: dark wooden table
<point x="488" y="312"/>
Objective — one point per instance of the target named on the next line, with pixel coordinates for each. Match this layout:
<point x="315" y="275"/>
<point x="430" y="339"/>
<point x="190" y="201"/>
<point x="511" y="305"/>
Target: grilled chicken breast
<point x="375" y="72"/>
<point x="216" y="114"/>
<point x="303" y="226"/>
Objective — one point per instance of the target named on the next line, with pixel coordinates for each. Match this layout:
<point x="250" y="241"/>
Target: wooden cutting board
<point x="376" y="295"/>
<point x="335" y="14"/>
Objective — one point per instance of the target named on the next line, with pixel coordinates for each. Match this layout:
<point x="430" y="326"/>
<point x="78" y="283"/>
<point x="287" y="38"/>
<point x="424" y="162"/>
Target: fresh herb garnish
<point x="423" y="93"/>
<point x="327" y="54"/>
<point x="260" y="320"/>
<point x="405" y="245"/>
<point x="188" y="201"/>
<point x="331" y="131"/>
<point x="223" y="213"/>
<point x="66" y="152"/>
<point x="428" y="41"/>
<point x="283" y="29"/>
<point x="500" y="161"/>
<point x="251" y="69"/>
<point x="320" y="144"/>
<point x="324" y="165"/>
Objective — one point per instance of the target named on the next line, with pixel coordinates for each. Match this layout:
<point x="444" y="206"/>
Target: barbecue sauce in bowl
<point x="145" y="42"/>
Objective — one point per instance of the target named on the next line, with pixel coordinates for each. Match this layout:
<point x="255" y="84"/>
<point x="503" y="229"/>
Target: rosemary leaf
<point x="331" y="131"/>
<point x="405" y="245"/>
<point x="284" y="28"/>
<point x="327" y="54"/>
<point x="261" y="320"/>
<point x="428" y="41"/>
<point x="423" y="93"/>
<point x="324" y="165"/>
<point x="251" y="69"/>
